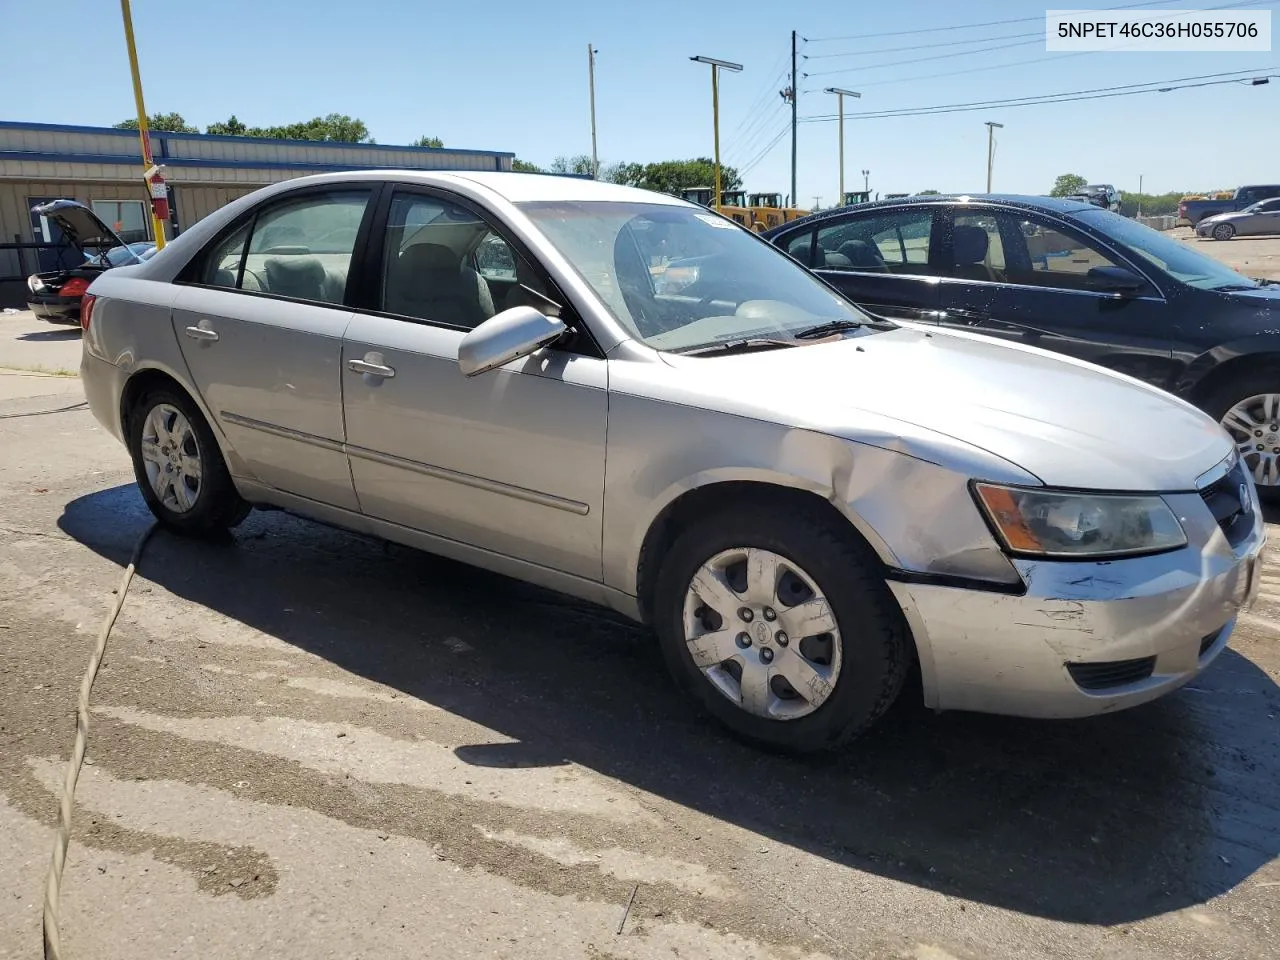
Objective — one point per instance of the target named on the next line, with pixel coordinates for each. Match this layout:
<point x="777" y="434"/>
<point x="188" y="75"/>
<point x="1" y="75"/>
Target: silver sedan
<point x="1254" y="220"/>
<point x="630" y="399"/>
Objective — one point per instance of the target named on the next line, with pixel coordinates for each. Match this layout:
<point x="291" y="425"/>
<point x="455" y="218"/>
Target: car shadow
<point x="1100" y="821"/>
<point x="68" y="332"/>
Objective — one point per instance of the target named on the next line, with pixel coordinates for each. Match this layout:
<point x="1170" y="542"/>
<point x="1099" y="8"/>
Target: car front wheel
<point x="179" y="467"/>
<point x="782" y="627"/>
<point x="1249" y="409"/>
<point x="1223" y="231"/>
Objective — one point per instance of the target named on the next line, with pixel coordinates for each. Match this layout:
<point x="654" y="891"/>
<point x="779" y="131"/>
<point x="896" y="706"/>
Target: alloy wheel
<point x="762" y="633"/>
<point x="171" y="457"/>
<point x="1224" y="231"/>
<point x="1254" y="423"/>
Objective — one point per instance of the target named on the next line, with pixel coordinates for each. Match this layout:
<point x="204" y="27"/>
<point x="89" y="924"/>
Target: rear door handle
<point x="373" y="366"/>
<point x="202" y="333"/>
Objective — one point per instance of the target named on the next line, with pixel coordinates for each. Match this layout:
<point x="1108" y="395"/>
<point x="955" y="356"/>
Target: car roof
<point x="512" y="186"/>
<point x="1057" y="205"/>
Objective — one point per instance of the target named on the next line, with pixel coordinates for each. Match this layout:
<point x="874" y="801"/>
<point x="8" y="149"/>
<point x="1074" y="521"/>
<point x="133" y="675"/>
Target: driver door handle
<point x="201" y="333"/>
<point x="372" y="368"/>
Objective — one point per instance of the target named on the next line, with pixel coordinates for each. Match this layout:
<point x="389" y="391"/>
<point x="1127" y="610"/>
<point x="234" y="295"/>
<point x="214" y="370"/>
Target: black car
<point x="1072" y="278"/>
<point x="55" y="295"/>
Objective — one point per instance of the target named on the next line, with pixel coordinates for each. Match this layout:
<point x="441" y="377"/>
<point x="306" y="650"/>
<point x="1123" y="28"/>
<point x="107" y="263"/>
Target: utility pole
<point x="716" y="67"/>
<point x="866" y="180"/>
<point x="1139" y="195"/>
<point x="144" y="134"/>
<point x="991" y="148"/>
<point x="817" y="202"/>
<point x="795" y="97"/>
<point x="591" y="80"/>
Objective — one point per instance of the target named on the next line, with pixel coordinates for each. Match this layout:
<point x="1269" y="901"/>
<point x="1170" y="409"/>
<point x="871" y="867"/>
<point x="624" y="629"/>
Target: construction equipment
<point x="856" y="196"/>
<point x="733" y="203"/>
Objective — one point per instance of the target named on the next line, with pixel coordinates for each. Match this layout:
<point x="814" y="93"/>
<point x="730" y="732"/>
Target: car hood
<point x="81" y="226"/>
<point x="1069" y="423"/>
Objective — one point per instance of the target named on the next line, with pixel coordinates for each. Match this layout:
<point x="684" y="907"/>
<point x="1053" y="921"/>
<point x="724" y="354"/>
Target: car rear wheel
<point x="1249" y="409"/>
<point x="1223" y="231"/>
<point x="781" y="627"/>
<point x="179" y="467"/>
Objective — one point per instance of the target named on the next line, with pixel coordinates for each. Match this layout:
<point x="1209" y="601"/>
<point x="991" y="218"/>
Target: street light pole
<point x="716" y="67"/>
<point x="840" y="95"/>
<point x="991" y="148"/>
<point x="866" y="181"/>
<point x="591" y="80"/>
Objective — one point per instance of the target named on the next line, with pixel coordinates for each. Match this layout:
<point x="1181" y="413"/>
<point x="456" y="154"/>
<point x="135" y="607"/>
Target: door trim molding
<point x="285" y="432"/>
<point x="466" y="479"/>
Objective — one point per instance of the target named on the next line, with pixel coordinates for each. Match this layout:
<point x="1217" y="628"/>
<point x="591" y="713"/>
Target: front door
<point x="1026" y="279"/>
<point x="511" y="461"/>
<point x="881" y="261"/>
<point x="260" y="326"/>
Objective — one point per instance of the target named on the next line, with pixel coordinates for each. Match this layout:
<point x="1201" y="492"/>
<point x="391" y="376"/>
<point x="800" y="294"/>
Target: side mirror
<point x="507" y="336"/>
<point x="1118" y="280"/>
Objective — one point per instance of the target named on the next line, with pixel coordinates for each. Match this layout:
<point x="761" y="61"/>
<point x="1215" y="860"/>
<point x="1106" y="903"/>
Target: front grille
<point x="1231" y="503"/>
<point x="1106" y="674"/>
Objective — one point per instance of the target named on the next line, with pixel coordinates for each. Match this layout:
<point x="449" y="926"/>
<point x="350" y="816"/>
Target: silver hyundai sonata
<point x="632" y="400"/>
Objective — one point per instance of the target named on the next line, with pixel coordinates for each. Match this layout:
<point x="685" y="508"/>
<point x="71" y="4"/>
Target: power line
<point x="762" y="99"/>
<point x="1039" y="34"/>
<point x="968" y="26"/>
<point x="1071" y="96"/>
<point x="762" y="121"/>
<point x="936" y="56"/>
<point x="768" y="148"/>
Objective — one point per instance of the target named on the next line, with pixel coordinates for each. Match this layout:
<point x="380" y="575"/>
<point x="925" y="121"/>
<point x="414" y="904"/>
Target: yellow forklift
<point x="768" y="211"/>
<point x="733" y="203"/>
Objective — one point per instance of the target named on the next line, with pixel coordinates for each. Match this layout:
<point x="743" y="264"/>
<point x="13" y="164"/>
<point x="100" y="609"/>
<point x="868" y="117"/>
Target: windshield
<point x="1173" y="257"/>
<point x="678" y="278"/>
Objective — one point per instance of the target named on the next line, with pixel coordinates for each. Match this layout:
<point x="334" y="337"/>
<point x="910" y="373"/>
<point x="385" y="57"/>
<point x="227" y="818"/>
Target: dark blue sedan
<point x="1069" y="277"/>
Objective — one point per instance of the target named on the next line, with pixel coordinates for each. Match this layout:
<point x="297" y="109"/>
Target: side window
<point x="893" y="242"/>
<point x="443" y="264"/>
<point x="977" y="250"/>
<point x="1053" y="258"/>
<point x="800" y="247"/>
<point x="299" y="248"/>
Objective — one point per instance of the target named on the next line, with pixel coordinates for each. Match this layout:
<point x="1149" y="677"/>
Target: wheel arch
<point x="1210" y="372"/>
<point x="719" y="492"/>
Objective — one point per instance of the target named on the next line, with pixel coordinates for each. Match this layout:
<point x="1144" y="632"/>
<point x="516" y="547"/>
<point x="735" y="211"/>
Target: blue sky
<point x="513" y="76"/>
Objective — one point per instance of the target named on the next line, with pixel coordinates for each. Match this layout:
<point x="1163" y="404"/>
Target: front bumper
<point x="1087" y="637"/>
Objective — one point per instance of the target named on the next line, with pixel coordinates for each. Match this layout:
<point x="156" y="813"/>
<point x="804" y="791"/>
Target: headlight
<point x="1050" y="523"/>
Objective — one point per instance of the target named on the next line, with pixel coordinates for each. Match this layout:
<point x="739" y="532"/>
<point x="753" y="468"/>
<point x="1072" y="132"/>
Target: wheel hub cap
<point x="762" y="633"/>
<point x="171" y="457"/>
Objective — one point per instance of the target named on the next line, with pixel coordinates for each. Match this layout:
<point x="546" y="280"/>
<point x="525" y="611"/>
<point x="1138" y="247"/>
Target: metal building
<point x="101" y="167"/>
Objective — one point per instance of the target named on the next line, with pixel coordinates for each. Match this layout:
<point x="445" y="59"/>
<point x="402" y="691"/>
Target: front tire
<point x="1223" y="231"/>
<point x="781" y="626"/>
<point x="179" y="467"/>
<point x="1248" y="407"/>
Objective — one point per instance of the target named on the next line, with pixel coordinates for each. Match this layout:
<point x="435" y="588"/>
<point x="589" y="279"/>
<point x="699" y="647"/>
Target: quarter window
<point x="299" y="248"/>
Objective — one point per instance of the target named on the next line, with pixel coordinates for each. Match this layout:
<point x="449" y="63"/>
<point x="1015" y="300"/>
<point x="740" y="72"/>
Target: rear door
<point x="1025" y="278"/>
<point x="1265" y="221"/>
<point x="879" y="259"/>
<point x="260" y="323"/>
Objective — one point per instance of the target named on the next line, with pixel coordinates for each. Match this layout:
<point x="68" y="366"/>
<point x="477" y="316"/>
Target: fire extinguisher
<point x="159" y="197"/>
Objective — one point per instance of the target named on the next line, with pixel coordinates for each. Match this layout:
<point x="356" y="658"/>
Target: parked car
<point x="55" y="295"/>
<point x="1193" y="211"/>
<point x="1262" y="217"/>
<point x="1072" y="278"/>
<point x="802" y="500"/>
<point x="1099" y="195"/>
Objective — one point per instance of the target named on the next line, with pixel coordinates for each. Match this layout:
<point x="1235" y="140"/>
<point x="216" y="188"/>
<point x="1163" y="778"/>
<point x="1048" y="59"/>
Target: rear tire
<point x="179" y="467"/>
<point x="849" y="649"/>
<point x="1223" y="231"/>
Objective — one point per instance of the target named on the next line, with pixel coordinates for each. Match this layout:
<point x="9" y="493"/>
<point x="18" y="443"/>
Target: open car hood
<point x="81" y="226"/>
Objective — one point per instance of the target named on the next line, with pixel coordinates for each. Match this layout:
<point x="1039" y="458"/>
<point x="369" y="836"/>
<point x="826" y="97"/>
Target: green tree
<point x="674" y="176"/>
<point x="428" y="142"/>
<point x="580" y="164"/>
<point x="1068" y="184"/>
<point x="627" y="174"/>
<point x="927" y="193"/>
<point x="167" y="122"/>
<point x="524" y="166"/>
<point x="231" y="127"/>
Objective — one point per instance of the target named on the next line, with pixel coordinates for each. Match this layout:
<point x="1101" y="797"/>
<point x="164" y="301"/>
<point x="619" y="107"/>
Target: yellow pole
<point x="715" y="119"/>
<point x="840" y="98"/>
<point x="144" y="134"/>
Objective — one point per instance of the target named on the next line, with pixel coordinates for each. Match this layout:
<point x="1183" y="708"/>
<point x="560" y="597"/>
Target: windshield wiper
<point x="745" y="345"/>
<point x="823" y="329"/>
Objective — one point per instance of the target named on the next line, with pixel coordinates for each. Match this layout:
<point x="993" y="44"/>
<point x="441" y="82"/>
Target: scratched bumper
<point x="998" y="653"/>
